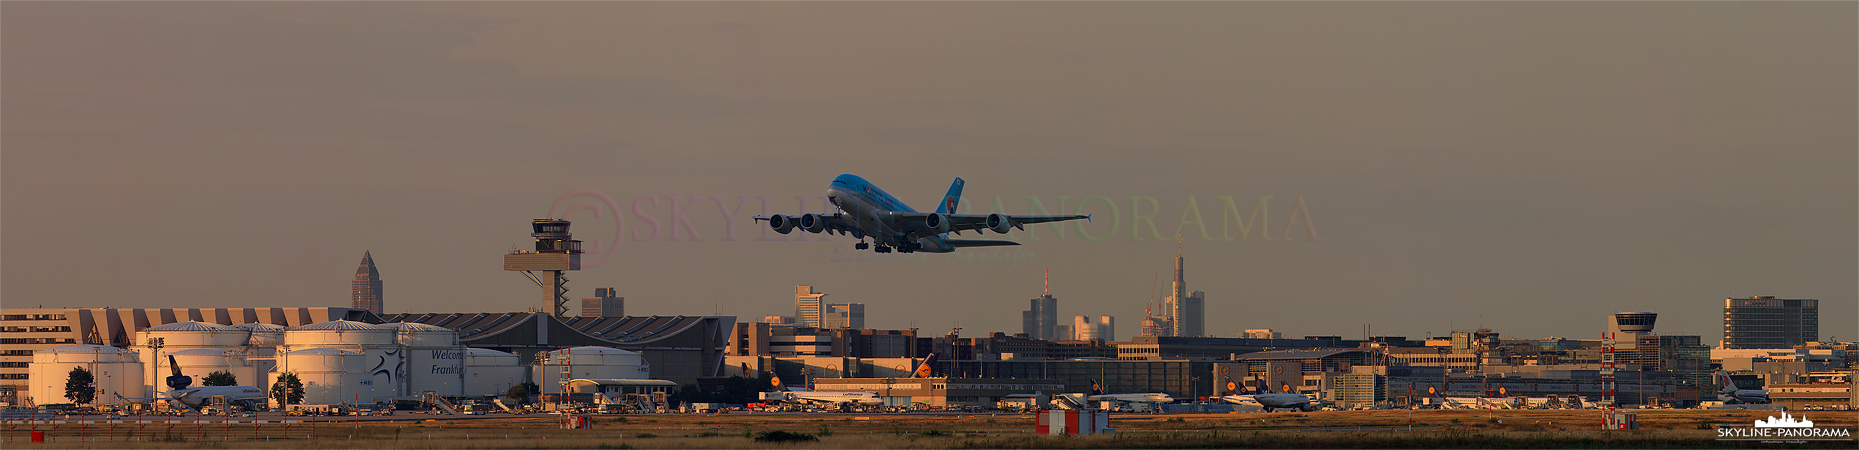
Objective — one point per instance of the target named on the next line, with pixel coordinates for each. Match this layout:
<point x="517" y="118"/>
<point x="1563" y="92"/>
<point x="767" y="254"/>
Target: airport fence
<point x="29" y="431"/>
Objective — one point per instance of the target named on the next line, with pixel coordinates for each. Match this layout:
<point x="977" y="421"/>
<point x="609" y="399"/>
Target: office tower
<point x="1087" y="329"/>
<point x="850" y="315"/>
<point x="365" y="291"/>
<point x="809" y="307"/>
<point x="1769" y="322"/>
<point x="1261" y="333"/>
<point x="778" y="321"/>
<point x="1084" y="328"/>
<point x="1186" y="312"/>
<point x="1041" y="320"/>
<point x="1157" y="326"/>
<point x="606" y="302"/>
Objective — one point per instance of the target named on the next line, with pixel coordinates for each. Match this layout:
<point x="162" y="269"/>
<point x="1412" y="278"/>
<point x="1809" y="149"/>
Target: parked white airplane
<point x="1271" y="401"/>
<point x="837" y="397"/>
<point x="248" y="397"/>
<point x="1730" y="393"/>
<point x="1148" y="397"/>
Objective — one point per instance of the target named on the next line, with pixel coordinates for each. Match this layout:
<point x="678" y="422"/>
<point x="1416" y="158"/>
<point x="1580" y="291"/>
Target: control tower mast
<point x="556" y="252"/>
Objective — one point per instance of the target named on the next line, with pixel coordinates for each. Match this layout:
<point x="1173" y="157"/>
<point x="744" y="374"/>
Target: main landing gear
<point x="861" y="245"/>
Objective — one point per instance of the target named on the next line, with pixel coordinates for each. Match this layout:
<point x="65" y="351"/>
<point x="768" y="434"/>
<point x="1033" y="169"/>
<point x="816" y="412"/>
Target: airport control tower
<point x="556" y="252"/>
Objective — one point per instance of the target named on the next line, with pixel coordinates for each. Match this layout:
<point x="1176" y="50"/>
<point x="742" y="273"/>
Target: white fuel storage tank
<point x="200" y="362"/>
<point x="113" y="370"/>
<point x="590" y="362"/>
<point x="181" y="336"/>
<point x="328" y="375"/>
<point x="435" y="361"/>
<point x="490" y="372"/>
<point x="382" y="358"/>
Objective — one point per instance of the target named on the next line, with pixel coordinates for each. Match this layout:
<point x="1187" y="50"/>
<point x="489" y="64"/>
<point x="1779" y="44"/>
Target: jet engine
<point x="999" y="223"/>
<point x="937" y="223"/>
<point x="781" y="224"/>
<point x="813" y="223"/>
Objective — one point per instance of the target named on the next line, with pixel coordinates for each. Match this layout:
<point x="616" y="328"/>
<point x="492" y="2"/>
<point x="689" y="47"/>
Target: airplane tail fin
<point x="923" y="370"/>
<point x="178" y="381"/>
<point x="1096" y="389"/>
<point x="951" y="199"/>
<point x="1728" y="385"/>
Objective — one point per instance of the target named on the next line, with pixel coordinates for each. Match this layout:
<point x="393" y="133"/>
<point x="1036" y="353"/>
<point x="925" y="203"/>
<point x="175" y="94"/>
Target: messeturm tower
<point x="366" y="289"/>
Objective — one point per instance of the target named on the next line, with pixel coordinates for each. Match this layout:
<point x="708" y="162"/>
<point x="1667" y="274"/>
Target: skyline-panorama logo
<point x="1784" y="429"/>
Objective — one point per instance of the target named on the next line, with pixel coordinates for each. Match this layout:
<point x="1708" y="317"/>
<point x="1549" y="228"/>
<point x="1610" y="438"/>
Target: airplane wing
<point x="964" y="222"/>
<point x="813" y="223"/>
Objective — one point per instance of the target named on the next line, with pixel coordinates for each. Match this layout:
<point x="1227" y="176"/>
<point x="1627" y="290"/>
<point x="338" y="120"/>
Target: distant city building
<point x="1769" y="322"/>
<point x="1041" y="320"/>
<point x="850" y="315"/>
<point x="1157" y="326"/>
<point x="809" y="307"/>
<point x="365" y="290"/>
<point x="1063" y="333"/>
<point x="1261" y="333"/>
<point x="763" y="339"/>
<point x="1186" y="311"/>
<point x="1085" y="329"/>
<point x="605" y="303"/>
<point x="779" y="321"/>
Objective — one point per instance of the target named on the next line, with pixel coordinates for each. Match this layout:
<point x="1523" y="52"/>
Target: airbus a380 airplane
<point x="866" y="211"/>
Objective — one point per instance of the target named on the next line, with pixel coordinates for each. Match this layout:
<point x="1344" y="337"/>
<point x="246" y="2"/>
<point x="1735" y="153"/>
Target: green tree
<point x="520" y="393"/>
<point x="288" y="390"/>
<point x="80" y="386"/>
<point x="220" y="378"/>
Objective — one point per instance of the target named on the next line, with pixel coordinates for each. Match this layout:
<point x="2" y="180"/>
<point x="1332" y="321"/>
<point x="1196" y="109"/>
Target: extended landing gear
<point x="861" y="246"/>
<point x="882" y="249"/>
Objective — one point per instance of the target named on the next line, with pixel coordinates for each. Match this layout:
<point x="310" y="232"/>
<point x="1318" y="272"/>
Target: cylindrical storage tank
<point x="264" y="344"/>
<point x="200" y="362"/>
<point x="435" y="361"/>
<point x="328" y="375"/>
<point x="490" y="372"/>
<point x="263" y="334"/>
<point x="591" y="362"/>
<point x="180" y="336"/>
<point x="113" y="370"/>
<point x="382" y="361"/>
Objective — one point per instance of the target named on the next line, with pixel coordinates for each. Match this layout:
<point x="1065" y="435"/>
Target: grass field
<point x="1343" y="429"/>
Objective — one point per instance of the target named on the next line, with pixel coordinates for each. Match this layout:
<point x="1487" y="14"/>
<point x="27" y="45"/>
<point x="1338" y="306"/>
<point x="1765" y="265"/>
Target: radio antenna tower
<point x="1048" y="288"/>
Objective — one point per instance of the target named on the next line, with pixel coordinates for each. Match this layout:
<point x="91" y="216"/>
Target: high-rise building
<point x="809" y="307"/>
<point x="778" y="321"/>
<point x="1769" y="322"/>
<point x="606" y="302"/>
<point x="365" y="290"/>
<point x="1261" y="333"/>
<point x="1041" y="319"/>
<point x="850" y="315"/>
<point x="1186" y="311"/>
<point x="1157" y="326"/>
<point x="1085" y="329"/>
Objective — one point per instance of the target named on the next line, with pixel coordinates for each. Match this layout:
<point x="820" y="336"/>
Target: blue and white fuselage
<point x="867" y="211"/>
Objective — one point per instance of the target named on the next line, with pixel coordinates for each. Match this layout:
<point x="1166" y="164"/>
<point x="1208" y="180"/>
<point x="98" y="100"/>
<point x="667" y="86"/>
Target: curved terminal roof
<point x="261" y="327"/>
<point x="192" y="326"/>
<point x="339" y="325"/>
<point x="414" y="327"/>
<point x="198" y="351"/>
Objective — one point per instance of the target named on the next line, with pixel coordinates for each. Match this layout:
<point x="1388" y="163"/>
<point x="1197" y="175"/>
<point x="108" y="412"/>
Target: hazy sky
<point x="1527" y="167"/>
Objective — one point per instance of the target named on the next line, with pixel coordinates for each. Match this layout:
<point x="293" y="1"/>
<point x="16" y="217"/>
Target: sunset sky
<point x="1525" y="167"/>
